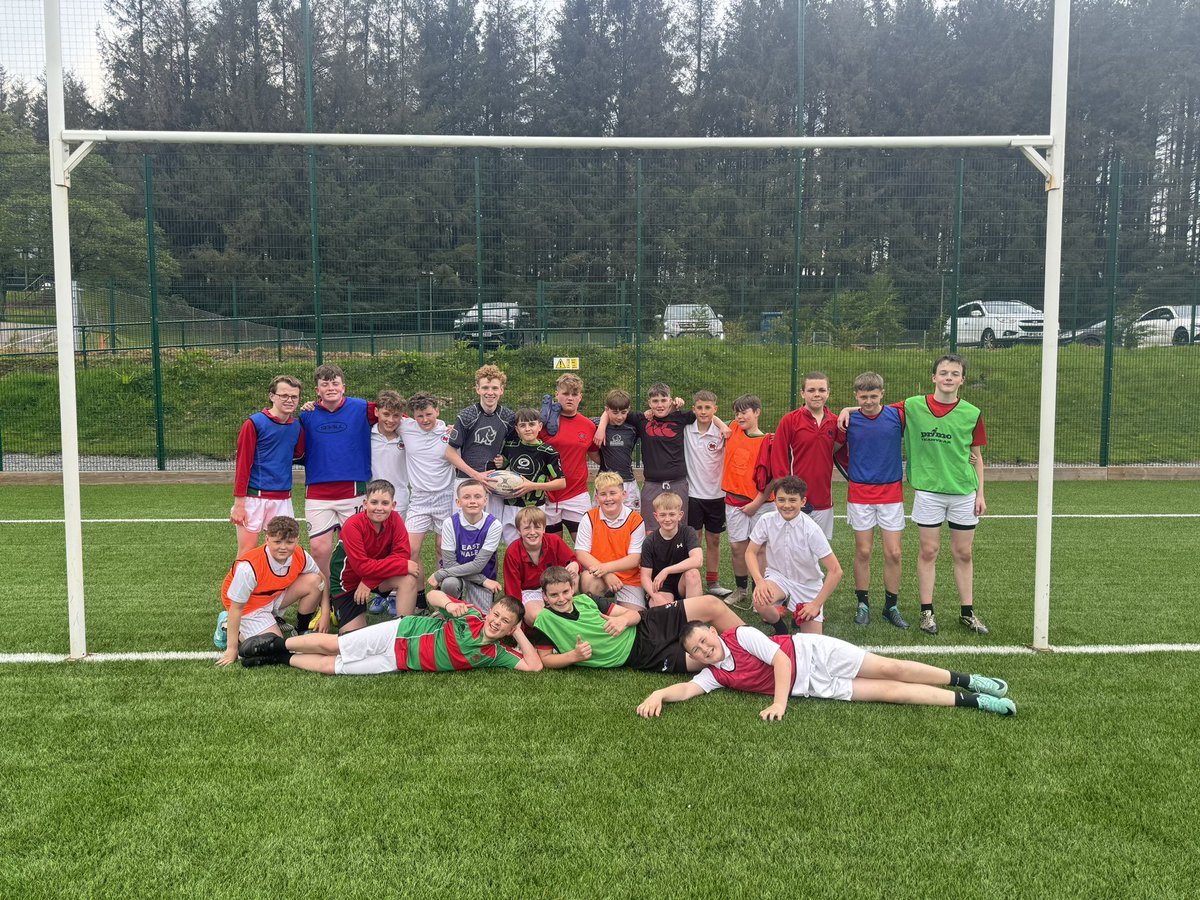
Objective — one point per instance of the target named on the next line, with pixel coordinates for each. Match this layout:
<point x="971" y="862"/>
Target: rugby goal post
<point x="1045" y="152"/>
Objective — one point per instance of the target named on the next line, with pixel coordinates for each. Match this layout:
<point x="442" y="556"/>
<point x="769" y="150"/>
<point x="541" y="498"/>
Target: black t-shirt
<point x="534" y="462"/>
<point x="663" y="444"/>
<point x="480" y="436"/>
<point x="616" y="453"/>
<point x="659" y="552"/>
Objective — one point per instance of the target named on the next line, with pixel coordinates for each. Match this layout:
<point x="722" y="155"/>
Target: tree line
<point x="718" y="228"/>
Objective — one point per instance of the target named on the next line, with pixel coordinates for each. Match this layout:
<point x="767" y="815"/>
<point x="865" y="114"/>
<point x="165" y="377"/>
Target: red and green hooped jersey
<point x="429" y="645"/>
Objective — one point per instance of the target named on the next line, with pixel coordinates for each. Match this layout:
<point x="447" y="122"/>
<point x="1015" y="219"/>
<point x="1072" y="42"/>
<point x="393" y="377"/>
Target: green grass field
<point x="152" y="779"/>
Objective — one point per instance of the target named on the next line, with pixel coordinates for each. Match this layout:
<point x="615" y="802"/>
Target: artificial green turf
<point x="179" y="779"/>
<point x="154" y="586"/>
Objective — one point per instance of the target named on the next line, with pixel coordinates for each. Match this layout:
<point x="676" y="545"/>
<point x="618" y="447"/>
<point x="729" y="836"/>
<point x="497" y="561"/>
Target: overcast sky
<point x="22" y="45"/>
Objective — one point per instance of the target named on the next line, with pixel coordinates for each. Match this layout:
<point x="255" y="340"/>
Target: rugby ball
<point x="504" y="482"/>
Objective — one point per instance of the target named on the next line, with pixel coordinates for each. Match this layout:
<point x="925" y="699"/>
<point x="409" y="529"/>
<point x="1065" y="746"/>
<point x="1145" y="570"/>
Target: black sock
<point x="968" y="610"/>
<point x="303" y="620"/>
<point x="926" y="607"/>
<point x="741" y="581"/>
<point x="422" y="603"/>
<point x="960" y="680"/>
<point x="968" y="700"/>
<point x="780" y="627"/>
<point x="862" y="597"/>
<point x="890" y="599"/>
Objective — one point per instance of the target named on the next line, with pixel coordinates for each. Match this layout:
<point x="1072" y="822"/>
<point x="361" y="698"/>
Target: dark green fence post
<point x="183" y="334"/>
<point x="1110" y="267"/>
<point x="155" y="346"/>
<point x="478" y="261"/>
<point x="837" y="283"/>
<point x="1195" y="301"/>
<point x="112" y="317"/>
<point x="954" y="285"/>
<point x="278" y="339"/>
<point x="237" y="325"/>
<point x="623" y="299"/>
<point x="350" y="318"/>
<point x="637" y="292"/>
<point x="372" y="325"/>
<point x="541" y="308"/>
<point x="1" y="449"/>
<point x="83" y="344"/>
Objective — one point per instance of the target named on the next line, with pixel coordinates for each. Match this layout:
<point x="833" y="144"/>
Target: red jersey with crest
<point x="804" y="447"/>
<point x="573" y="441"/>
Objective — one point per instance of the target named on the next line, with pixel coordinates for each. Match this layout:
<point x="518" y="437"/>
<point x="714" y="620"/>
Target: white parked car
<point x="692" y="320"/>
<point x="1167" y="325"/>
<point x="997" y="323"/>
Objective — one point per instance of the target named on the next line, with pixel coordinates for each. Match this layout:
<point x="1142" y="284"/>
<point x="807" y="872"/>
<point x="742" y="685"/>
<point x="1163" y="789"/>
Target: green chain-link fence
<point x="682" y="267"/>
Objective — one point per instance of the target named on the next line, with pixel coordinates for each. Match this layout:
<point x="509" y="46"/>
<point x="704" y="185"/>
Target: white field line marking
<point x="1081" y="650"/>
<point x="225" y="521"/>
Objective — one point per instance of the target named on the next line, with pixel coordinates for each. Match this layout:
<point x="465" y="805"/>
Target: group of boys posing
<point x="629" y="592"/>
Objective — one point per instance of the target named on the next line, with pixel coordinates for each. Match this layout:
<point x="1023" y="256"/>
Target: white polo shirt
<point x="388" y="460"/>
<point x="704" y="453"/>
<point x="794" y="548"/>
<point x="428" y="469"/>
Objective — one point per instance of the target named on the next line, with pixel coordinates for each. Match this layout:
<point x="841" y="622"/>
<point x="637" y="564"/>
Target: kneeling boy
<point x="796" y="549"/>
<point x="609" y="545"/>
<point x="813" y="665"/>
<point x="525" y="560"/>
<point x="262" y="583"/>
<point x="468" y="640"/>
<point x="371" y="557"/>
<point x="605" y="635"/>
<point x="671" y="556"/>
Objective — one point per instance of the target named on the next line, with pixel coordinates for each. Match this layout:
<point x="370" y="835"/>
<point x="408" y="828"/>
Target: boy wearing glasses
<point x="266" y="446"/>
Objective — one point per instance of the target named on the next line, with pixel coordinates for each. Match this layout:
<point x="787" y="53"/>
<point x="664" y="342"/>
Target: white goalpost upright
<point x="63" y="161"/>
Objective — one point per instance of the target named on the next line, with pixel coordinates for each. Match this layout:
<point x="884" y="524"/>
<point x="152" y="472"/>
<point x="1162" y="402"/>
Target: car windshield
<point x="1010" y="308"/>
<point x="691" y="311"/>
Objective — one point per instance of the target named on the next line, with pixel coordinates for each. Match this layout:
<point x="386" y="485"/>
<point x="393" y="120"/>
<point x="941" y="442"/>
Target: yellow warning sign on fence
<point x="566" y="362"/>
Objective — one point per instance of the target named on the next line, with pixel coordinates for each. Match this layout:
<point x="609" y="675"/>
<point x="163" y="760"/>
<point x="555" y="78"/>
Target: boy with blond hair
<point x="480" y="432"/>
<point x="470" y="541"/>
<point x="572" y="439"/>
<point x="671" y="555"/>
<point x="267" y="444"/>
<point x="609" y="546"/>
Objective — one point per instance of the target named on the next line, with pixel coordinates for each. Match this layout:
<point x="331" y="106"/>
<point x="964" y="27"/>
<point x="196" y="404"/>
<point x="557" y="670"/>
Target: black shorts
<point x="706" y="515"/>
<point x="346" y="608"/>
<point x="656" y="647"/>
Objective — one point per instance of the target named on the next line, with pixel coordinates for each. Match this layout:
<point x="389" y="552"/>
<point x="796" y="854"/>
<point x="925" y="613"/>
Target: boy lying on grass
<point x="813" y="665"/>
<point x="468" y="639"/>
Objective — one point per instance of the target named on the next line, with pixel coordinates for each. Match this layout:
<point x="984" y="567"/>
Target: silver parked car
<point x="692" y="320"/>
<point x="1163" y="326"/>
<point x="1167" y="325"/>
<point x="997" y="323"/>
